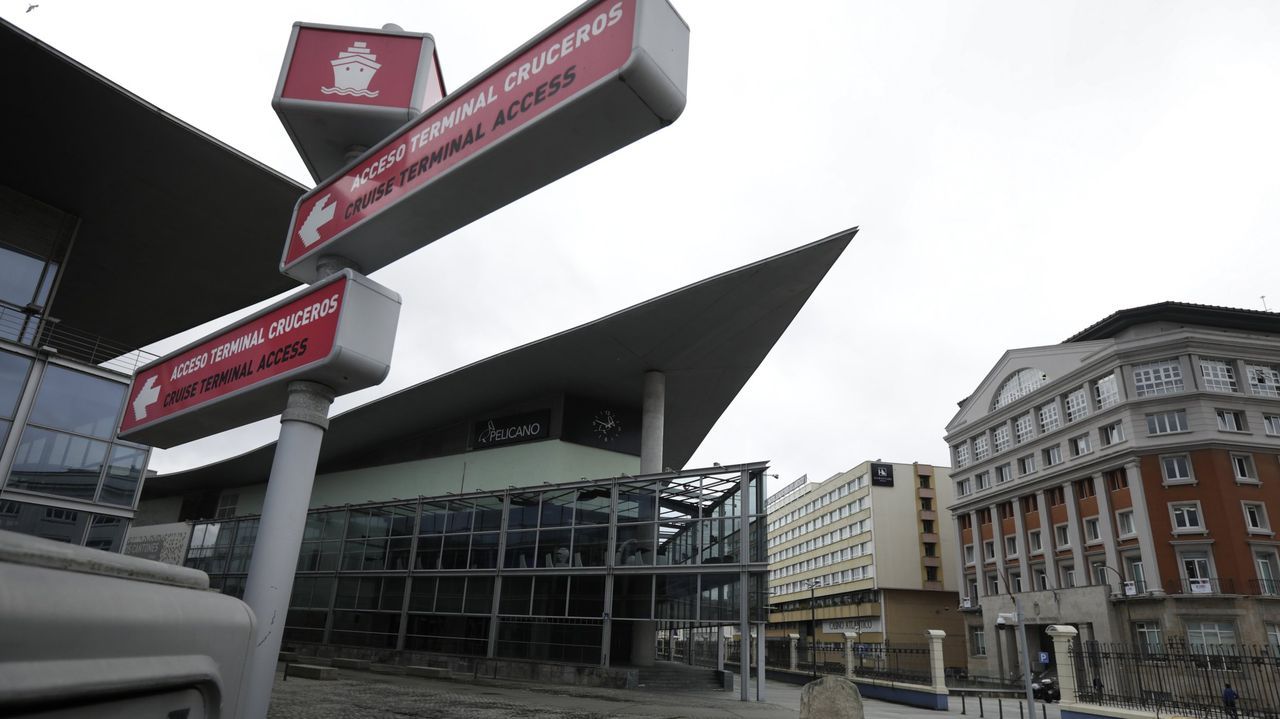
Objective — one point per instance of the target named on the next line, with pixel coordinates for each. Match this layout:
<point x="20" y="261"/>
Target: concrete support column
<point x="1024" y="549"/>
<point x="1106" y="527"/>
<point x="1046" y="540"/>
<point x="1142" y="525"/>
<point x="1062" y="638"/>
<point x="792" y="641"/>
<point x="652" y="417"/>
<point x="284" y="518"/>
<point x="850" y="638"/>
<point x="979" y="558"/>
<point x="1073" y="534"/>
<point x="961" y="574"/>
<point x="937" y="667"/>
<point x="997" y="541"/>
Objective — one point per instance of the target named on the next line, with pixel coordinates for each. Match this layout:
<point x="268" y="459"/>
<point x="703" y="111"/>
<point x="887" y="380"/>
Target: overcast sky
<point x="1019" y="170"/>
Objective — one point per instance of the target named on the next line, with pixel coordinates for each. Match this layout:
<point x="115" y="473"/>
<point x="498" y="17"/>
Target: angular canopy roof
<point x="176" y="228"/>
<point x="708" y="338"/>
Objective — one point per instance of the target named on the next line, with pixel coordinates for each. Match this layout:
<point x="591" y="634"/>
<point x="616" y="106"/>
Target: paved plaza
<point x="364" y="695"/>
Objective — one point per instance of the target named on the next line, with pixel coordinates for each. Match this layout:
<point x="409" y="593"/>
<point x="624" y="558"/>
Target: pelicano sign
<point x="339" y="333"/>
<point x="608" y="74"/>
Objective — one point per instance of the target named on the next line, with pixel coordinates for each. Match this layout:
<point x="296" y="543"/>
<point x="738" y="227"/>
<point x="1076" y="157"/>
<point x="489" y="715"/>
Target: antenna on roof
<point x="1264" y="304"/>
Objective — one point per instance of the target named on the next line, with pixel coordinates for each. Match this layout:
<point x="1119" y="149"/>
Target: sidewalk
<point x="787" y="696"/>
<point x="364" y="695"/>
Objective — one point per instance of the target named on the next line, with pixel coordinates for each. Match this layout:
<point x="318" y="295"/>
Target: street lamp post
<point x="1020" y="631"/>
<point x="813" y="624"/>
<point x="1128" y="618"/>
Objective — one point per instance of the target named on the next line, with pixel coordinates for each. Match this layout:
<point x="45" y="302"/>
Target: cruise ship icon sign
<point x="353" y="70"/>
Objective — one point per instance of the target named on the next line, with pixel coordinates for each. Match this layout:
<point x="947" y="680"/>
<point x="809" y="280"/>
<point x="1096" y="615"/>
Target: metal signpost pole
<point x="275" y="553"/>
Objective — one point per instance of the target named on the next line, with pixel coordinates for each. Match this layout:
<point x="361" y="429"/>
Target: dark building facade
<point x="88" y="223"/>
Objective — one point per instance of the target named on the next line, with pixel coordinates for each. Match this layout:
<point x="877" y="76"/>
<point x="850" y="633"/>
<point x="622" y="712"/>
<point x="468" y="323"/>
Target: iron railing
<point x="1180" y="678"/>
<point x="1265" y="587"/>
<point x="45" y="333"/>
<point x="1201" y="585"/>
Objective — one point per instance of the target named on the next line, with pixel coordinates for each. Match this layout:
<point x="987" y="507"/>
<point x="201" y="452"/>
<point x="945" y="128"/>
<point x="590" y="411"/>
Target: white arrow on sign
<point x="147" y="396"/>
<point x="320" y="214"/>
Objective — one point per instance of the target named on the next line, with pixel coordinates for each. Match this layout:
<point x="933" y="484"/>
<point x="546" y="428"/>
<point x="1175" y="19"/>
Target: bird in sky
<point x="32" y="7"/>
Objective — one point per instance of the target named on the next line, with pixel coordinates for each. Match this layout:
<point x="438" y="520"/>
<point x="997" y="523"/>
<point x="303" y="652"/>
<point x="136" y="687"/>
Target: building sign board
<point x="344" y="87"/>
<point x="159" y="542"/>
<point x="860" y="625"/>
<point x="339" y="332"/>
<point x="608" y="74"/>
<point x="498" y="431"/>
<point x="881" y="475"/>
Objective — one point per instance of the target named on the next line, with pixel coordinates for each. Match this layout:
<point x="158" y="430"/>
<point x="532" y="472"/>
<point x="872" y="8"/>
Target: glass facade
<point x="64" y="525"/>
<point x="68" y="478"/>
<point x="527" y="573"/>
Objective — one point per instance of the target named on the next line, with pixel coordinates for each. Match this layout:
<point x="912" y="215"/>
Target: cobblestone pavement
<point x="364" y="695"/>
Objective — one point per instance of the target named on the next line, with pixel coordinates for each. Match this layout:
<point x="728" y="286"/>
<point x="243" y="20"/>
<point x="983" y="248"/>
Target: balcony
<point x="1201" y="586"/>
<point x="1133" y="588"/>
<point x="1265" y="587"/>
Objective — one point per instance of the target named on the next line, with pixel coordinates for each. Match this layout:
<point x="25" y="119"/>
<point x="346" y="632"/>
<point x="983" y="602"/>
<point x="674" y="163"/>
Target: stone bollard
<point x="1062" y="638"/>
<point x="720" y="649"/>
<point x="937" y="665"/>
<point x="792" y="641"/>
<point x="830" y="698"/>
<point x="850" y="638"/>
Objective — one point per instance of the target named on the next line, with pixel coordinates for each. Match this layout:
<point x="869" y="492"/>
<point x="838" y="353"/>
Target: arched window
<point x="1020" y="383"/>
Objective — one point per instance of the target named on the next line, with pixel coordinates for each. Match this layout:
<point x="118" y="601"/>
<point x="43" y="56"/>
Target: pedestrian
<point x="1229" y="697"/>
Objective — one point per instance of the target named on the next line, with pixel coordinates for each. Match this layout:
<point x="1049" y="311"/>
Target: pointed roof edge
<point x="253" y="460"/>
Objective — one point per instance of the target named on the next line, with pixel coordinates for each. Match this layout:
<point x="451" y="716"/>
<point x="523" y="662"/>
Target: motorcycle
<point x="1046" y="690"/>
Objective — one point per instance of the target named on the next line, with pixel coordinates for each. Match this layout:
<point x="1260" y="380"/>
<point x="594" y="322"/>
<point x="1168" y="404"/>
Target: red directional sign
<point x="238" y="374"/>
<point x="608" y="74"/>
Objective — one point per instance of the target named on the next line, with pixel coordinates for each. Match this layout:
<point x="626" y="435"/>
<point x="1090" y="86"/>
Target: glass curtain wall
<point x="66" y="449"/>
<point x="33" y="243"/>
<point x="530" y="573"/>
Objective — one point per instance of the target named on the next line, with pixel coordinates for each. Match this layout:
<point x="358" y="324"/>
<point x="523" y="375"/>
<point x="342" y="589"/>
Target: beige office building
<point x="868" y="550"/>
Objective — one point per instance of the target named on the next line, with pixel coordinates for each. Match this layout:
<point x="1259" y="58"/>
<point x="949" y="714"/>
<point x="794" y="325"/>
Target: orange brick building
<point x="1127" y="482"/>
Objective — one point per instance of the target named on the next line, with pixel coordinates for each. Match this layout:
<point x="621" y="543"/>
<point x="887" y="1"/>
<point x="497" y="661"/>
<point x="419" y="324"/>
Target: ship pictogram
<point x="352" y="71"/>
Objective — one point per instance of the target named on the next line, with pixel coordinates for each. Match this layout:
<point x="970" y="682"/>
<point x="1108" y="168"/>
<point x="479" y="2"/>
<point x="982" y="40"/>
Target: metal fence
<point x="888" y="661"/>
<point x="1180" y="678"/>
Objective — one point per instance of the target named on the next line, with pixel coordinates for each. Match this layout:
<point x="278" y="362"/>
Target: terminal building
<point x="869" y="551"/>
<point x="1126" y="482"/>
<point x="89" y="214"/>
<point x="524" y="506"/>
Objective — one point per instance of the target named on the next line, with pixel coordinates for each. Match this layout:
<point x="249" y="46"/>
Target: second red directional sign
<point x="606" y="75"/>
<point x="339" y="332"/>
